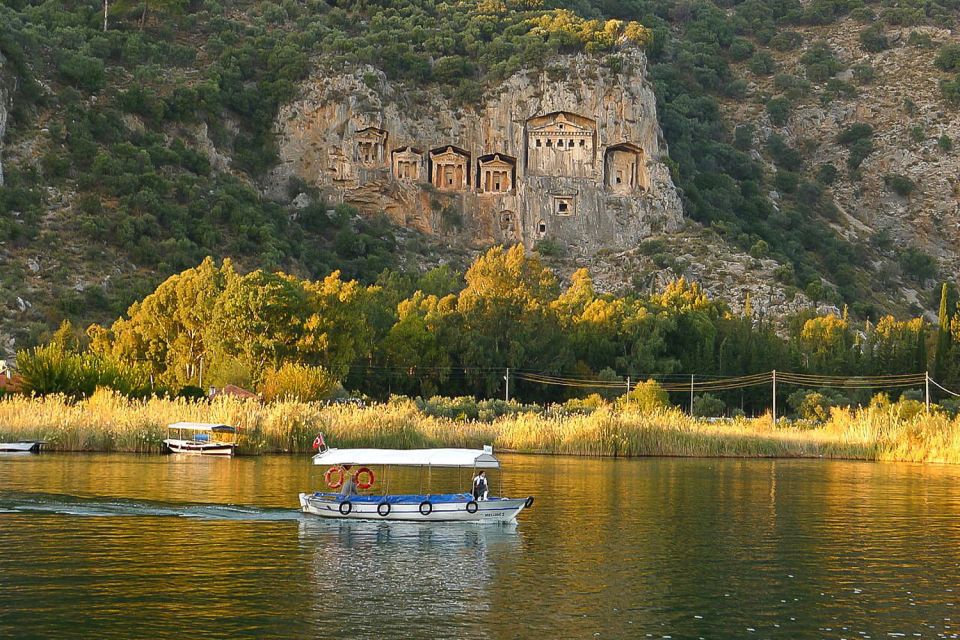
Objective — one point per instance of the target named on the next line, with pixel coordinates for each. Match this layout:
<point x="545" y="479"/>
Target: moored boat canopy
<point x="202" y="426"/>
<point x="479" y="458"/>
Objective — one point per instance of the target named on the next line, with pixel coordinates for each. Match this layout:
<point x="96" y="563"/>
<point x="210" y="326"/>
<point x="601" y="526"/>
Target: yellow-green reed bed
<point x="109" y="422"/>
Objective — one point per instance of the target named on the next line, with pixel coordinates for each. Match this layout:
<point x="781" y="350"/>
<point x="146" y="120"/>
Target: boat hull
<point x="28" y="446"/>
<point x="200" y="448"/>
<point x="410" y="509"/>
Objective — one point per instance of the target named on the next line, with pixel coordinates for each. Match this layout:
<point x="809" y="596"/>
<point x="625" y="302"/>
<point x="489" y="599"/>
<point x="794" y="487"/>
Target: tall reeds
<point x="108" y="421"/>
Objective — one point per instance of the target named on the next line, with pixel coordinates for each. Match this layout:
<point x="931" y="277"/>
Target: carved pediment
<point x="626" y="147"/>
<point x="561" y="123"/>
<point x="497" y="161"/>
<point x="370" y="134"/>
<point x="407" y="154"/>
<point x="449" y="155"/>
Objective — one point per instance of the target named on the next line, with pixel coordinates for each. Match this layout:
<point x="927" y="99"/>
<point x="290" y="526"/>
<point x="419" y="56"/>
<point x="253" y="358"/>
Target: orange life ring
<point x="368" y="483"/>
<point x="335" y="483"/>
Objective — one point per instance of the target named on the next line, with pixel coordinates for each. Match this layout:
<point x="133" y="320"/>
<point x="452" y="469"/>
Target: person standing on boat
<point x="480" y="487"/>
<point x="349" y="487"/>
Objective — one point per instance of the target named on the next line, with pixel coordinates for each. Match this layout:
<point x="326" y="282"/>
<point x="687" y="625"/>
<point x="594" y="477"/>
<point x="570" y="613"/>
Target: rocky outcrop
<point x="571" y="155"/>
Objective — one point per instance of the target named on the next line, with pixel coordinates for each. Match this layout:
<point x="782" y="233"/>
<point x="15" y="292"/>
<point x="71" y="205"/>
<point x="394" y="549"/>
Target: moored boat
<point x="411" y="507"/>
<point x="202" y="440"/>
<point x="24" y="446"/>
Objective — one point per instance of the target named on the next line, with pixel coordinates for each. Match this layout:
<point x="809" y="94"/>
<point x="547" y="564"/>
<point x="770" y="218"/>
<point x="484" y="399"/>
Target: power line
<point x="943" y="388"/>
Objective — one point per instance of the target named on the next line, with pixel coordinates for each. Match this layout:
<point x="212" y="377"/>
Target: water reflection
<point x="398" y="576"/>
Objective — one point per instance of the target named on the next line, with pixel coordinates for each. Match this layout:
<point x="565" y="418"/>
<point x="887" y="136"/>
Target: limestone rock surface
<point x="572" y="154"/>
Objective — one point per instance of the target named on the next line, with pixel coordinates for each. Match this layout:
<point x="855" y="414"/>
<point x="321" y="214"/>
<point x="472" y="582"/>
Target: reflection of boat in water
<point x="24" y="446"/>
<point x="381" y="579"/>
<point x="202" y="440"/>
<point x="350" y="534"/>
<point x="419" y="507"/>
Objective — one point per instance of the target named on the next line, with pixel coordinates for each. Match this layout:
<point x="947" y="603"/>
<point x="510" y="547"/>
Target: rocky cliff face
<point x="896" y="91"/>
<point x="571" y="155"/>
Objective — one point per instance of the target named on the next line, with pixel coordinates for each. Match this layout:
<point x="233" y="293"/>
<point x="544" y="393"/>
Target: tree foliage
<point x="292" y="337"/>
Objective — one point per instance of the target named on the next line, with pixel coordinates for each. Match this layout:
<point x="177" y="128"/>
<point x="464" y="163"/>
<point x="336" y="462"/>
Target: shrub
<point x="786" y="181"/>
<point x="785" y="156"/>
<point x="948" y="58"/>
<point x="82" y="71"/>
<point x="550" y="248"/>
<point x="192" y="392"/>
<point x="855" y="132"/>
<point x="820" y="62"/>
<point x="922" y="266"/>
<point x="864" y="73"/>
<point x="779" y="110"/>
<point x="873" y="39"/>
<point x="298" y="382"/>
<point x="584" y="405"/>
<point x="899" y="184"/>
<point x="469" y="408"/>
<point x="741" y="49"/>
<point x="786" y="41"/>
<point x="859" y="151"/>
<point x="708" y="405"/>
<point x="762" y="64"/>
<point x="56" y="368"/>
<point x="827" y="174"/>
<point x="920" y="40"/>
<point x="743" y="137"/>
<point x="837" y="87"/>
<point x="950" y="90"/>
<point x="647" y="396"/>
<point x="945" y="143"/>
<point x="760" y="249"/>
<point x="815" y="405"/>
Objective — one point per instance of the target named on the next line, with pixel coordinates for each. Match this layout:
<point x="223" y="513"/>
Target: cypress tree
<point x="942" y="355"/>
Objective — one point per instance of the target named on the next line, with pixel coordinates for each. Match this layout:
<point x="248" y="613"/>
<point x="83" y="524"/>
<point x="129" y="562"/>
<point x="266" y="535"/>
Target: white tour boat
<point x="201" y="439"/>
<point x="426" y="507"/>
<point x="24" y="446"/>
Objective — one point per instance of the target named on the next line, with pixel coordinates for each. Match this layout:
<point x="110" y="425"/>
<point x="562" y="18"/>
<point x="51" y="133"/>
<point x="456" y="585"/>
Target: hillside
<point x="131" y="152"/>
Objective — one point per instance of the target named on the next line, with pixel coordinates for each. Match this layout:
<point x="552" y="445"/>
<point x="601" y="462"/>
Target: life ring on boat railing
<point x="472" y="506"/>
<point x="528" y="503"/>
<point x="383" y="509"/>
<point x="368" y="483"/>
<point x="335" y="483"/>
<point x="426" y="508"/>
<point x="345" y="507"/>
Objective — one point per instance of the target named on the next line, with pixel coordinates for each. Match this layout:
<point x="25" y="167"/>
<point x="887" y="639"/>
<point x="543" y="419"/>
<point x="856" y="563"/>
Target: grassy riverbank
<point x="109" y="422"/>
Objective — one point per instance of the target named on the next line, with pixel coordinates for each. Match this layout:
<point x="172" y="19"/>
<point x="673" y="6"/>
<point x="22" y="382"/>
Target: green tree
<point x="944" y="337"/>
<point x="171" y="330"/>
<point x="646" y="397"/>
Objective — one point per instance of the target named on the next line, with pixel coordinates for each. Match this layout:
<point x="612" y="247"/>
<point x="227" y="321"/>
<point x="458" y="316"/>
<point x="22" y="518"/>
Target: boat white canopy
<point x="202" y="426"/>
<point x="479" y="458"/>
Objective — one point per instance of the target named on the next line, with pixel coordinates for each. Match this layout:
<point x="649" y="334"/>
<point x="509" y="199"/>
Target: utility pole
<point x="691" y="395"/>
<point x="926" y="384"/>
<point x="507" y="390"/>
<point x="774" y="397"/>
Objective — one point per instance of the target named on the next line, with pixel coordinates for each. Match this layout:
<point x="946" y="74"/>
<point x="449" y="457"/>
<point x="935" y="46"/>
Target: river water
<point x="118" y="546"/>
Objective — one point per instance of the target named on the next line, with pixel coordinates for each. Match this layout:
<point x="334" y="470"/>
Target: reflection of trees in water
<point x="375" y="579"/>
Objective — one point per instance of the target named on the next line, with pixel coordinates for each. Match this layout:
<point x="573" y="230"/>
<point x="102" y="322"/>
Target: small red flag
<point x="319" y="443"/>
